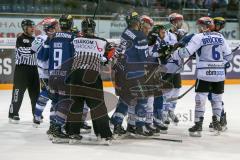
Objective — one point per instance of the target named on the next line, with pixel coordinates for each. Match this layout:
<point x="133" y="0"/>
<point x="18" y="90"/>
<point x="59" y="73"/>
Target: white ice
<point x="23" y="142"/>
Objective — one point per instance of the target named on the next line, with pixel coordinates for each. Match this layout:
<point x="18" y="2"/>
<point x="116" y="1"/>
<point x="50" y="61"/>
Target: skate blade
<point x="216" y="133"/>
<point x="36" y="125"/>
<point x="224" y="128"/>
<point x="211" y="129"/>
<point x="11" y="121"/>
<point x="175" y="123"/>
<point x="87" y="141"/>
<point x="85" y="131"/>
<point x="156" y="134"/>
<point x="117" y="136"/>
<point x="50" y="137"/>
<point x="60" y="140"/>
<point x="195" y="134"/>
<point x="163" y="132"/>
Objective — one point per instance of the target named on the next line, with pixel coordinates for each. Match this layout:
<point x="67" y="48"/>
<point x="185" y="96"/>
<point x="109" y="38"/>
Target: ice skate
<point x="153" y="129"/>
<point x="165" y="118"/>
<point x="105" y="141"/>
<point x="211" y="127"/>
<point x="216" y="126"/>
<point x="161" y="127"/>
<point x="223" y="122"/>
<point x="131" y="129"/>
<point x="142" y="131"/>
<point x="59" y="136"/>
<point x="75" y="139"/>
<point x="14" y="119"/>
<point x="196" y="130"/>
<point x="118" y="131"/>
<point x="36" y="122"/>
<point x="173" y="117"/>
<point x="85" y="128"/>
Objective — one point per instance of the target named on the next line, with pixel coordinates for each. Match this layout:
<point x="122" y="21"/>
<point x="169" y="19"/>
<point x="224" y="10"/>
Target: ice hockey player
<point x="172" y="75"/>
<point x="40" y="45"/>
<point x="219" y="24"/>
<point x="157" y="42"/>
<point x="89" y="53"/>
<point x="133" y="47"/>
<point x="59" y="52"/>
<point x="26" y="73"/>
<point x="147" y="28"/>
<point x="213" y="53"/>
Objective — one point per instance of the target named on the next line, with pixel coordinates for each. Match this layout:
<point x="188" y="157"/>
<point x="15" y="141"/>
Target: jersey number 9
<point x="57" y="58"/>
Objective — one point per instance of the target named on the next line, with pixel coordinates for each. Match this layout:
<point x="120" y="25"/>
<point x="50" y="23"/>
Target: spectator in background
<point x="233" y="8"/>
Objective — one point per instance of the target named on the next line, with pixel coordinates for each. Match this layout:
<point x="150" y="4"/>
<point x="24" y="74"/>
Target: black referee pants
<point x="25" y="77"/>
<point x="94" y="98"/>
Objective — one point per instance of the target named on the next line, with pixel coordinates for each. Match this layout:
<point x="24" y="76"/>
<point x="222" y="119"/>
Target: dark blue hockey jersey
<point x="134" y="45"/>
<point x="60" y="49"/>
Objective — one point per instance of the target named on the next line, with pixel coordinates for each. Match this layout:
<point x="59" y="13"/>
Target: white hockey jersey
<point x="212" y="53"/>
<point x="171" y="39"/>
<point x="39" y="46"/>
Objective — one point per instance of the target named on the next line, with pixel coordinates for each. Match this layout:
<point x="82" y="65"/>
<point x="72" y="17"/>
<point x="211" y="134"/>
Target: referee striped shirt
<point x="24" y="53"/>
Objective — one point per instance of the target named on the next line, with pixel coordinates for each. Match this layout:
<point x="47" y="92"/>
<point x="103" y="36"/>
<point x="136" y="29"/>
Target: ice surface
<point x="23" y="142"/>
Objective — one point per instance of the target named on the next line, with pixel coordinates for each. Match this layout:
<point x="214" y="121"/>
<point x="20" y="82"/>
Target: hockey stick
<point x="166" y="139"/>
<point x="182" y="95"/>
<point x="178" y="69"/>
<point x="152" y="138"/>
<point x="235" y="48"/>
<point x="94" y="15"/>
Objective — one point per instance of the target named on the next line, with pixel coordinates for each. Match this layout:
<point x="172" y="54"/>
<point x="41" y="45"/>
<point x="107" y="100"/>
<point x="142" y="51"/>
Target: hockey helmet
<point x="132" y="18"/>
<point x="25" y="23"/>
<point x="146" y="19"/>
<point x="156" y="28"/>
<point x="174" y="17"/>
<point x="49" y="23"/>
<point x="88" y="26"/>
<point x="66" y="22"/>
<point x="219" y="23"/>
<point x="205" y="24"/>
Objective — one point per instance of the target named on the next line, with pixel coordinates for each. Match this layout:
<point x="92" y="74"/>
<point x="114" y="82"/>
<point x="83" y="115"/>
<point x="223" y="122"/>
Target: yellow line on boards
<point x="110" y="83"/>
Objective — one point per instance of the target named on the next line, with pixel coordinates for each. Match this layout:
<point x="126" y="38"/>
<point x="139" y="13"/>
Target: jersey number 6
<point x="215" y="54"/>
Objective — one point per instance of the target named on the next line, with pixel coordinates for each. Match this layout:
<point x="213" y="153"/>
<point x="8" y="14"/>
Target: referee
<point x="26" y="73"/>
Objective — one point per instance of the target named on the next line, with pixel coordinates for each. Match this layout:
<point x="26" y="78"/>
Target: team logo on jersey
<point x="98" y="48"/>
<point x="215" y="73"/>
<point x="86" y="45"/>
<point x="26" y="41"/>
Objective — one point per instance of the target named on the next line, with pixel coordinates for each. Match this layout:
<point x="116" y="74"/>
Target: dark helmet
<point x="25" y="23"/>
<point x="132" y="18"/>
<point x="156" y="28"/>
<point x="88" y="26"/>
<point x="66" y="21"/>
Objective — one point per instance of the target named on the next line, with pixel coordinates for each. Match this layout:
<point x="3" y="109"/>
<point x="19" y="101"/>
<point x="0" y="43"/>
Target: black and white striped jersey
<point x="24" y="53"/>
<point x="88" y="53"/>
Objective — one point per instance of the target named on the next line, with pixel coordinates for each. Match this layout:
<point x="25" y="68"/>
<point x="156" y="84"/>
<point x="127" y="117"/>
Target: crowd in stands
<point x="227" y="8"/>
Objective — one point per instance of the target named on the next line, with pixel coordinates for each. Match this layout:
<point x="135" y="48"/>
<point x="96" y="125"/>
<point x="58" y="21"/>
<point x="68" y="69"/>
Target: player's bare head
<point x="219" y="23"/>
<point x="28" y="27"/>
<point x="133" y="21"/>
<point x="50" y="25"/>
<point x="66" y="22"/>
<point x="146" y="24"/>
<point x="176" y="20"/>
<point x="88" y="27"/>
<point x="205" y="24"/>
